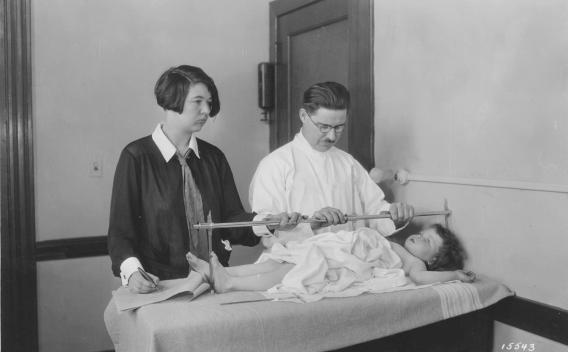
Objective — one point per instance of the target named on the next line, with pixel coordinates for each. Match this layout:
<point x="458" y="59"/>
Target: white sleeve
<point x="267" y="191"/>
<point x="127" y="268"/>
<point x="260" y="230"/>
<point x="373" y="200"/>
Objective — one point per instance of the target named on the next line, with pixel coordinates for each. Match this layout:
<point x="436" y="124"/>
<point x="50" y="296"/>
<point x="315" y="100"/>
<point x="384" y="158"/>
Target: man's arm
<point x="374" y="203"/>
<point x="267" y="191"/>
<point x="373" y="200"/>
<point x="267" y="194"/>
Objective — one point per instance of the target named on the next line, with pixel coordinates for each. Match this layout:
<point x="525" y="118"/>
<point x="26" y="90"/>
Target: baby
<point x="433" y="255"/>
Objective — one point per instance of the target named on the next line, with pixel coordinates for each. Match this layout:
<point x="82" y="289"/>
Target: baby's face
<point x="424" y="245"/>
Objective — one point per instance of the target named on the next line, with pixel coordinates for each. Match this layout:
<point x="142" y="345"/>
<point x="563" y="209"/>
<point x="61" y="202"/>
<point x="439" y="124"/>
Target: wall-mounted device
<point x="266" y="73"/>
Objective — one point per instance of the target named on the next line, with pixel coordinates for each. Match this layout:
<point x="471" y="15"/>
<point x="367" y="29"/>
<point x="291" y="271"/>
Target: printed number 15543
<point x="518" y="346"/>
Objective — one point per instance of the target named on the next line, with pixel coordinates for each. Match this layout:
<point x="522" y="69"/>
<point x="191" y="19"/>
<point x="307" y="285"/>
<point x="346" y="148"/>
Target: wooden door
<point x="316" y="41"/>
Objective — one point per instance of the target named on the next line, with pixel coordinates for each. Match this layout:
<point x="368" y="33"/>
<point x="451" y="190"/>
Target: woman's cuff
<point x="127" y="268"/>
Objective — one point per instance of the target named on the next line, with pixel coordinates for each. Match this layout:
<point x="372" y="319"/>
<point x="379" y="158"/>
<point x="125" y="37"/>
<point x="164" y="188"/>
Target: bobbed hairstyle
<point x="451" y="255"/>
<point x="172" y="88"/>
<point x="329" y="95"/>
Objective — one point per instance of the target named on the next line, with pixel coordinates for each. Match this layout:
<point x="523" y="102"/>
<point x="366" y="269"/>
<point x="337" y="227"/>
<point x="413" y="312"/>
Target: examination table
<point x="397" y="321"/>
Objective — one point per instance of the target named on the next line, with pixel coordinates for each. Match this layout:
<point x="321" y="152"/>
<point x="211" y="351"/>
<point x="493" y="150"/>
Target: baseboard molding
<point x="535" y="317"/>
<point x="80" y="247"/>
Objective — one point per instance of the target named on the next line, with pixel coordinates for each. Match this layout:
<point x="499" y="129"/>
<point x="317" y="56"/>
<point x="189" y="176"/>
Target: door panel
<point x="314" y="42"/>
<point x="323" y="56"/>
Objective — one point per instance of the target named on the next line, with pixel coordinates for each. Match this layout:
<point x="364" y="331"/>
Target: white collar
<point x="303" y="143"/>
<point x="166" y="147"/>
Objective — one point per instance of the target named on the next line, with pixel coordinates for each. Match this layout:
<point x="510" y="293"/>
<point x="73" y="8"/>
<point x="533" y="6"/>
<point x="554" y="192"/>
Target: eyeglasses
<point x="323" y="128"/>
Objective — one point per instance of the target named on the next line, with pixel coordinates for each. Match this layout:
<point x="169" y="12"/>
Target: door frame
<point x="20" y="251"/>
<point x="360" y="22"/>
<point x="19" y="285"/>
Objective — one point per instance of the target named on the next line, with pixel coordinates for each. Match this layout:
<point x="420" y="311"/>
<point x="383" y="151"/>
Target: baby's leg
<point x="198" y="264"/>
<point x="224" y="282"/>
<point x="202" y="267"/>
<point x="252" y="269"/>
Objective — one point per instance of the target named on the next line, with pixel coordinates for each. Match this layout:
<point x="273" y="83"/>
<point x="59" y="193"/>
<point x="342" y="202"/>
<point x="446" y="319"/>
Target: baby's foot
<point x="221" y="278"/>
<point x="199" y="265"/>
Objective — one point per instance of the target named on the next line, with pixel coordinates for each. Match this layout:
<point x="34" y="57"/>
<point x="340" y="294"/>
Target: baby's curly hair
<point x="451" y="255"/>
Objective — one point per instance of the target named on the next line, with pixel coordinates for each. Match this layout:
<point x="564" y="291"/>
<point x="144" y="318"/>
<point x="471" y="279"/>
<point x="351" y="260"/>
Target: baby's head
<point x="438" y="247"/>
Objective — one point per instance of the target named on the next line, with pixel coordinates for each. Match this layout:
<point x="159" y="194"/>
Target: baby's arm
<point x="422" y="276"/>
<point x="417" y="271"/>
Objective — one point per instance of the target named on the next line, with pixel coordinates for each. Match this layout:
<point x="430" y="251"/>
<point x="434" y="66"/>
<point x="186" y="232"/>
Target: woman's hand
<point x="287" y="221"/>
<point x="466" y="276"/>
<point x="137" y="284"/>
<point x="331" y="216"/>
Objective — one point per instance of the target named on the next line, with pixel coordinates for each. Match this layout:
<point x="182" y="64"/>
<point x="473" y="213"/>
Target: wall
<point x="479" y="90"/>
<point x="0" y="272"/>
<point x="94" y="68"/>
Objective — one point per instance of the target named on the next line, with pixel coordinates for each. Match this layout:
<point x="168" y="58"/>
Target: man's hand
<point x="287" y="221"/>
<point x="331" y="216"/>
<point x="137" y="284"/>
<point x="401" y="213"/>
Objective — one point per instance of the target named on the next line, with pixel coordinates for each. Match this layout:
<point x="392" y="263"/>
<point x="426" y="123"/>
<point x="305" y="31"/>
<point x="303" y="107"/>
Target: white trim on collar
<point x="166" y="147"/>
<point x="301" y="141"/>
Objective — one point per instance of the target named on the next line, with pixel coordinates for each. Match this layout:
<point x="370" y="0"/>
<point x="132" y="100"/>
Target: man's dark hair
<point x="329" y="95"/>
<point x="451" y="255"/>
<point x="173" y="86"/>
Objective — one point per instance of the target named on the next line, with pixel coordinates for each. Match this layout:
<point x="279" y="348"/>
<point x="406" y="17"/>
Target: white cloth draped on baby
<point x="344" y="263"/>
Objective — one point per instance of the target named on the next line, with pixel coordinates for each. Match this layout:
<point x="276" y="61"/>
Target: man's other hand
<point x="401" y="213"/>
<point x="330" y="216"/>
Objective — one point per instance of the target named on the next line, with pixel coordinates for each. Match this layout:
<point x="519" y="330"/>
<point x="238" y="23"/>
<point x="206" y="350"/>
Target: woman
<point x="170" y="180"/>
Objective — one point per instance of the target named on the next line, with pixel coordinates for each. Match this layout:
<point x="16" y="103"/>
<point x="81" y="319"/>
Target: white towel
<point x="458" y="298"/>
<point x="345" y="263"/>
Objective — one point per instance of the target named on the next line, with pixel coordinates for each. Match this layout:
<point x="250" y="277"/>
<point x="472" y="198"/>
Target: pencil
<point x="147" y="277"/>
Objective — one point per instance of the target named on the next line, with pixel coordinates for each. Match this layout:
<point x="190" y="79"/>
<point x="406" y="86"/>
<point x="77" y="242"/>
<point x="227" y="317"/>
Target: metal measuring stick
<point x="220" y="225"/>
<point x="209" y="249"/>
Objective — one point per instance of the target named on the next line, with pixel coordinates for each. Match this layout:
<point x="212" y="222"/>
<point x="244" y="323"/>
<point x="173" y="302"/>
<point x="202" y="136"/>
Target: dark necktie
<point x="193" y="209"/>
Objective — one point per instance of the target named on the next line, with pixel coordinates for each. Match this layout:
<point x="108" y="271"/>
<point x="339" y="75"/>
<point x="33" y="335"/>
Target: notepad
<point x="192" y="286"/>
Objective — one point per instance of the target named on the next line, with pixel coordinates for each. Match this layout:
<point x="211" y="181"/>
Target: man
<point x="310" y="176"/>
